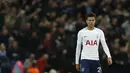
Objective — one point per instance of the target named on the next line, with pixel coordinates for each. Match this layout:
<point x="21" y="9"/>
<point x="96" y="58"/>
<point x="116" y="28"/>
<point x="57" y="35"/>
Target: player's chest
<point x="90" y="35"/>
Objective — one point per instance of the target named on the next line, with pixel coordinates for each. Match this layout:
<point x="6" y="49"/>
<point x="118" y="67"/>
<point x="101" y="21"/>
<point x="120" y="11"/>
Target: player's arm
<point x="104" y="45"/>
<point x="78" y="49"/>
<point x="105" y="48"/>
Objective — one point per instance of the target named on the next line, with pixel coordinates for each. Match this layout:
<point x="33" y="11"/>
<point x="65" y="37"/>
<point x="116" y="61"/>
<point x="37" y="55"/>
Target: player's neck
<point x="90" y="28"/>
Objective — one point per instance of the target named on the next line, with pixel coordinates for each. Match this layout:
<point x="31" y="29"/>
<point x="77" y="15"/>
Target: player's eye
<point x="91" y="20"/>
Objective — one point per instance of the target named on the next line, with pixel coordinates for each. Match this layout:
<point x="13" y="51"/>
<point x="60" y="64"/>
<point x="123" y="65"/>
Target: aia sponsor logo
<point x="91" y="42"/>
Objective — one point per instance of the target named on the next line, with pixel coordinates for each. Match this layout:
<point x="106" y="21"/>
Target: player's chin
<point x="91" y="25"/>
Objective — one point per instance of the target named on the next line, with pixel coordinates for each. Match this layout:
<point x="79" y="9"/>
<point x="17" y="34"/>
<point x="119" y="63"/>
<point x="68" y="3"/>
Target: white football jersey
<point x="90" y="39"/>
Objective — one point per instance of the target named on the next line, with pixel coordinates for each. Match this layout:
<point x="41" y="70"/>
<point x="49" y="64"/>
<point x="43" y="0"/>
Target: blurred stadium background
<point x="42" y="33"/>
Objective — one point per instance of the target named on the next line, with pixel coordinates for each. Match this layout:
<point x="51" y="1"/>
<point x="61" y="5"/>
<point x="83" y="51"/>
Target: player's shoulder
<point x="82" y="30"/>
<point x="98" y="29"/>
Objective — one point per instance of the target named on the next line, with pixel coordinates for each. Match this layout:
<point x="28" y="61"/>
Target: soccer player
<point x="89" y="37"/>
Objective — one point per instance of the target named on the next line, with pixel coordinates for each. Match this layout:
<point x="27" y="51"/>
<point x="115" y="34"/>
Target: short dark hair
<point x="91" y="14"/>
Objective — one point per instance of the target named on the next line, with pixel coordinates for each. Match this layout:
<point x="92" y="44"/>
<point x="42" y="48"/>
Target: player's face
<point x="91" y="21"/>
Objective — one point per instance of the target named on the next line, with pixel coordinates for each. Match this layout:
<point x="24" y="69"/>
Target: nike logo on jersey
<point x="85" y="36"/>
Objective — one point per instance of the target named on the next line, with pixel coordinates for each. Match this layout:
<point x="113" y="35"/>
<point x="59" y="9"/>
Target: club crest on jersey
<point x="97" y="36"/>
<point x="91" y="42"/>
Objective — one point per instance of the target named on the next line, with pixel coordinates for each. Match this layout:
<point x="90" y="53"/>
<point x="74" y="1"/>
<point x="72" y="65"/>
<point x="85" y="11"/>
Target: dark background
<point x="51" y="26"/>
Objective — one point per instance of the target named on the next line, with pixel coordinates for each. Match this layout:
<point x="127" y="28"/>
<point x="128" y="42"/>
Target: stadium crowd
<point x="40" y="35"/>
